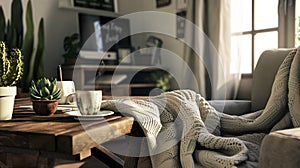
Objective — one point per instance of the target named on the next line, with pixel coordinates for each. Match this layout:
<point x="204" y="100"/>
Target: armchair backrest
<point x="263" y="76"/>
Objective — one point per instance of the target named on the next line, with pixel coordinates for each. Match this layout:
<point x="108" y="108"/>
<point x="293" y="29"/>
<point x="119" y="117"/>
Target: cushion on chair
<point x="233" y="107"/>
<point x="281" y="149"/>
<point x="263" y="76"/>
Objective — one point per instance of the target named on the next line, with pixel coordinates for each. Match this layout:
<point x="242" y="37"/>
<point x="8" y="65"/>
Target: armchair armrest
<point x="233" y="107"/>
<point x="281" y="149"/>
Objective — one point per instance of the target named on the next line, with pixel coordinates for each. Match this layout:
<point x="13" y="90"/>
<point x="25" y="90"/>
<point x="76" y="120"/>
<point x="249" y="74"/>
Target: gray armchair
<point x="280" y="148"/>
<point x="263" y="78"/>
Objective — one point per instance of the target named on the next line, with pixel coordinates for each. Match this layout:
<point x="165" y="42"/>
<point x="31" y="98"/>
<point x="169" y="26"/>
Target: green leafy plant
<point x="162" y="80"/>
<point x="12" y="33"/>
<point x="44" y="89"/>
<point x="72" y="46"/>
<point x="11" y="64"/>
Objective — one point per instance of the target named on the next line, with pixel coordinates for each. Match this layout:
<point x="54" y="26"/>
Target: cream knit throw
<point x="276" y="107"/>
<point x="294" y="91"/>
<point x="186" y="115"/>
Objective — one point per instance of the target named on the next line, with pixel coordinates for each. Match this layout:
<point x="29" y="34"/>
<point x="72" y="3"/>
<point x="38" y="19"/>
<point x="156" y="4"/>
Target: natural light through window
<point x="264" y="41"/>
<point x="241" y="16"/>
<point x="265" y="14"/>
<point x="254" y="29"/>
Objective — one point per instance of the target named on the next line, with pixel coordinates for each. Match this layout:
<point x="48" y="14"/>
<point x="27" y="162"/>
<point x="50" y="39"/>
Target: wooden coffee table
<point x="58" y="136"/>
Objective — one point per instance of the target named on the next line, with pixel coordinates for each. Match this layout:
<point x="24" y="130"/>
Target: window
<point x="254" y="28"/>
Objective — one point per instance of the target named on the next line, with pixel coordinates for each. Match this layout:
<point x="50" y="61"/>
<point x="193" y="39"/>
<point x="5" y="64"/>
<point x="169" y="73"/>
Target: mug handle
<point x="70" y="99"/>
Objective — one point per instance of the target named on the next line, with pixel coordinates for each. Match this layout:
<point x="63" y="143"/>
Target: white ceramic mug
<point x="88" y="102"/>
<point x="68" y="88"/>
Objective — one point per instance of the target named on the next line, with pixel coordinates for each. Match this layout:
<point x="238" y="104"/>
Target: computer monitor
<point x="103" y="34"/>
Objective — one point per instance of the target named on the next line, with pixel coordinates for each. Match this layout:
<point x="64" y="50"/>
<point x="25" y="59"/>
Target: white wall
<point x="169" y="43"/>
<point x="129" y="6"/>
<point x="58" y="24"/>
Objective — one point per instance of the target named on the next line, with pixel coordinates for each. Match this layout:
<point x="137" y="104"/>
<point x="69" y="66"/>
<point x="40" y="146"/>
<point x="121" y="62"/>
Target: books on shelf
<point x="107" y="5"/>
<point x="108" y="79"/>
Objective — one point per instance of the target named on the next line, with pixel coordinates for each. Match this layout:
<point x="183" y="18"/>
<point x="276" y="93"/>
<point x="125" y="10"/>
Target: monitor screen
<point x="102" y="33"/>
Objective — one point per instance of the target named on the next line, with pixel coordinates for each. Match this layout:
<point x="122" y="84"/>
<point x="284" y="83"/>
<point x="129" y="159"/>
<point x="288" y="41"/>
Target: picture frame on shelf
<point x="143" y="57"/>
<point x="124" y="56"/>
<point x="180" y="24"/>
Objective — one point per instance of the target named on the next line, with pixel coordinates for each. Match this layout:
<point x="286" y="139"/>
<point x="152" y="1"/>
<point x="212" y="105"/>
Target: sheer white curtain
<point x="212" y="66"/>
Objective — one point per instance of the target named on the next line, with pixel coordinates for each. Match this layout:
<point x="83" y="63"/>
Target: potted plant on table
<point x="18" y="35"/>
<point x="11" y="70"/>
<point x="44" y="95"/>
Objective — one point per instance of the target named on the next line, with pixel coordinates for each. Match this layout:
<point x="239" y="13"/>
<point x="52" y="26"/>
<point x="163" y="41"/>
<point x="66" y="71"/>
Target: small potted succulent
<point x="11" y="70"/>
<point x="44" y="95"/>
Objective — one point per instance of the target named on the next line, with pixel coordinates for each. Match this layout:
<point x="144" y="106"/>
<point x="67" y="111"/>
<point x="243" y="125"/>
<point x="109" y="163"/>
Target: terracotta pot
<point x="45" y="107"/>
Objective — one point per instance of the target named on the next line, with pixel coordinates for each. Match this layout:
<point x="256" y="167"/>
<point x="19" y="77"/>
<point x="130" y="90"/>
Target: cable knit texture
<point x="207" y="138"/>
<point x="294" y="91"/>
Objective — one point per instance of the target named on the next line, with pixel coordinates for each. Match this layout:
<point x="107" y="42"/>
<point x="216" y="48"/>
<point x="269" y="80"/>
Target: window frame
<point x="285" y="28"/>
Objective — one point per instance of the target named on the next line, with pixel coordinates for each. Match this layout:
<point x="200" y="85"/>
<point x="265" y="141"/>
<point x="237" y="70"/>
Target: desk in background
<point x="137" y="83"/>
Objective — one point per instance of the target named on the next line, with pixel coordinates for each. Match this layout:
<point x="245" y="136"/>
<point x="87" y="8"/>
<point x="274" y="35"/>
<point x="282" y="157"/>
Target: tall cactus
<point x="39" y="64"/>
<point x="27" y="48"/>
<point x="12" y="32"/>
<point x="17" y="23"/>
<point x="33" y="62"/>
<point x="11" y="65"/>
<point x="2" y="25"/>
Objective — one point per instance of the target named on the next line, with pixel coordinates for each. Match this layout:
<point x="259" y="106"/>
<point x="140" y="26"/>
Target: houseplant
<point x="72" y="48"/>
<point x="162" y="80"/>
<point x="11" y="71"/>
<point x="44" y="95"/>
<point x="12" y="32"/>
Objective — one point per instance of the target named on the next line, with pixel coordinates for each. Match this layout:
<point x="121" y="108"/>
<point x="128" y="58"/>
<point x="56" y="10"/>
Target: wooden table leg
<point x="107" y="157"/>
<point x="9" y="160"/>
<point x="42" y="162"/>
<point x="2" y="165"/>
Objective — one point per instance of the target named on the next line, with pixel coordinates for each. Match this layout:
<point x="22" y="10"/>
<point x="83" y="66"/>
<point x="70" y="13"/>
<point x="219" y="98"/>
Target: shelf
<point x="135" y="85"/>
<point x="123" y="89"/>
<point x="114" y="67"/>
<point x="68" y="4"/>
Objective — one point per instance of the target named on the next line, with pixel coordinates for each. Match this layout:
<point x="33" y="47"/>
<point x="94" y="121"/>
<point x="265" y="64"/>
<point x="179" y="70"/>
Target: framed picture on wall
<point x="162" y="3"/>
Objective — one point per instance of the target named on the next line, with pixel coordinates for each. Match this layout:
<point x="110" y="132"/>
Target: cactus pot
<point x="45" y="107"/>
<point x="7" y="100"/>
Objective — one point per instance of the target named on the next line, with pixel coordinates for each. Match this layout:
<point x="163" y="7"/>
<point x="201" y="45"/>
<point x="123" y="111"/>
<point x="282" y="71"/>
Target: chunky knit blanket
<point x="183" y="130"/>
